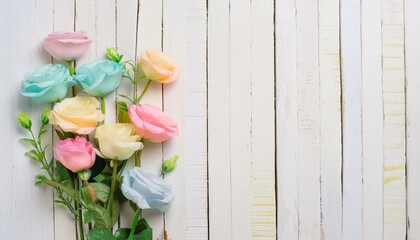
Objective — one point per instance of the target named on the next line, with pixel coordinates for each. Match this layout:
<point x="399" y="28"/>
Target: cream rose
<point x="158" y="67"/>
<point x="117" y="141"/>
<point x="78" y="115"/>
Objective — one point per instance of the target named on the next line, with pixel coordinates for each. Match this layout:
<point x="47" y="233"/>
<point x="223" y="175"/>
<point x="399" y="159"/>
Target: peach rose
<point x="67" y="45"/>
<point x="158" y="67"/>
<point x="151" y="123"/>
<point x="78" y="115"/>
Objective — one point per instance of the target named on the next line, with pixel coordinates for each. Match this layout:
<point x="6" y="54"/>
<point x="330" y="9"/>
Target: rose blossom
<point x="78" y="115"/>
<point x="76" y="154"/>
<point x="151" y="123"/>
<point x="67" y="45"/>
<point x="158" y="67"/>
<point x="47" y="84"/>
<point x="117" y="141"/>
<point x="147" y="190"/>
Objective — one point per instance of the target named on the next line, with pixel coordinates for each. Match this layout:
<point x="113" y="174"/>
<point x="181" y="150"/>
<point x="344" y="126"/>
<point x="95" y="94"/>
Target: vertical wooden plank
<point x="6" y="146"/>
<point x="308" y="119"/>
<point x="126" y="36"/>
<point x="219" y="121"/>
<point x="27" y="210"/>
<point x="64" y="20"/>
<point x="412" y="51"/>
<point x="330" y="111"/>
<point x="372" y="112"/>
<point x="174" y="23"/>
<point x="393" y="80"/>
<point x="286" y="110"/>
<point x="263" y="127"/>
<point x="97" y="18"/>
<point x="195" y="82"/>
<point x="240" y="117"/>
<point x="149" y="35"/>
<point x="352" y="121"/>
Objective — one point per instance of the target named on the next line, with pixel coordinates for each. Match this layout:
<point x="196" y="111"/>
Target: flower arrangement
<point x="87" y="169"/>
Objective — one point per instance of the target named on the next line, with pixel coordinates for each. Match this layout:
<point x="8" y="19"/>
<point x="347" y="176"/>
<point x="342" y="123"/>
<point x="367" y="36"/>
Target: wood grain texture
<point x="174" y="44"/>
<point x="240" y="117"/>
<point x="352" y="120"/>
<point x="219" y="121"/>
<point x="412" y="53"/>
<point x="286" y="121"/>
<point x="394" y="139"/>
<point x="372" y="112"/>
<point x="27" y="210"/>
<point x="298" y="119"/>
<point x="308" y="122"/>
<point x="263" y="191"/>
<point x="330" y="119"/>
<point x="195" y="94"/>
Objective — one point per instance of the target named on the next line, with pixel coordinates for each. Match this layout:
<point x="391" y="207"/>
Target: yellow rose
<point x="117" y="141"/>
<point x="158" y="67"/>
<point x="78" y="115"/>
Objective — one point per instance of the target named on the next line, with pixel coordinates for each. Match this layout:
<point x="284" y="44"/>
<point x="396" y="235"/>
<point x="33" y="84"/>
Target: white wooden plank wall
<point x="299" y="119"/>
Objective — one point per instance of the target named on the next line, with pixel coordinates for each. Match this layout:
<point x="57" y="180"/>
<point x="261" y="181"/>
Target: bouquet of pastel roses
<point x="87" y="169"/>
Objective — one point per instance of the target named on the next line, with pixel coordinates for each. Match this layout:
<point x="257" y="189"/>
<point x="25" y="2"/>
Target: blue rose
<point x="99" y="78"/>
<point x="147" y="190"/>
<point x="48" y="83"/>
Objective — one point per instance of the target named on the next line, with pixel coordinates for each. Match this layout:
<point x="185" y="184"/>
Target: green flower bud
<point x="44" y="116"/>
<point x="169" y="164"/>
<point x="83" y="175"/>
<point x="113" y="54"/>
<point x="24" y="120"/>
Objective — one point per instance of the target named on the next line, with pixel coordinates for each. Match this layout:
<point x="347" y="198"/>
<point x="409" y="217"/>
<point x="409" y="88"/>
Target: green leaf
<point x="101" y="191"/>
<point x="61" y="203"/>
<point x="100" y="234"/>
<point x="33" y="154"/>
<point x="61" y="173"/>
<point x="147" y="234"/>
<point x="40" y="179"/>
<point x="88" y="216"/>
<point x="41" y="135"/>
<point x="99" y="178"/>
<point x="122" y="233"/>
<point x="142" y="225"/>
<point x="122" y="106"/>
<point x="28" y="141"/>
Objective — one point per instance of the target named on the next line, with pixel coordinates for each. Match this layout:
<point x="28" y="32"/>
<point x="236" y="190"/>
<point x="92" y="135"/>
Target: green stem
<point x="144" y="91"/>
<point x="80" y="214"/>
<point x="102" y="104"/>
<point x="137" y="156"/>
<point x="46" y="166"/>
<point x="113" y="183"/>
<point x="134" y="224"/>
<point x="71" y="68"/>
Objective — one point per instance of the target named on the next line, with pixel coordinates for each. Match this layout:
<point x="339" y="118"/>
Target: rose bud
<point x="76" y="154"/>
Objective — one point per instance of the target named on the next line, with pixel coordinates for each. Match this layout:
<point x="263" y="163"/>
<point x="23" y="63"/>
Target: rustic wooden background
<point x="300" y="119"/>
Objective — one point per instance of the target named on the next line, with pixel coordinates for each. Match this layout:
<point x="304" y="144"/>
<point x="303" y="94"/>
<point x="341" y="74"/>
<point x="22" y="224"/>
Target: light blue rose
<point x="48" y="83"/>
<point x="100" y="78"/>
<point x="147" y="190"/>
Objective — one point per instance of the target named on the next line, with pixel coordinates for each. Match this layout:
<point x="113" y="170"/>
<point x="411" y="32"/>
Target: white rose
<point x="117" y="141"/>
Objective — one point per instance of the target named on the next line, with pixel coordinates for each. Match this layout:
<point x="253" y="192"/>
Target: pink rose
<point x="158" y="67"/>
<point x="67" y="45"/>
<point x="76" y="154"/>
<point x="151" y="123"/>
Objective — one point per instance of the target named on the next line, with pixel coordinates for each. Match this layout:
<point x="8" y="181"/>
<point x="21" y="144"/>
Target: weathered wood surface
<point x="299" y="119"/>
